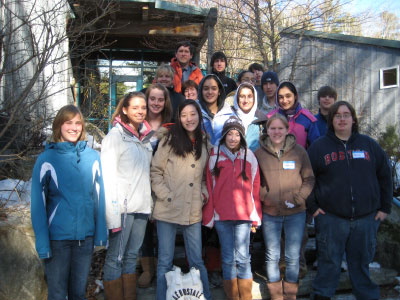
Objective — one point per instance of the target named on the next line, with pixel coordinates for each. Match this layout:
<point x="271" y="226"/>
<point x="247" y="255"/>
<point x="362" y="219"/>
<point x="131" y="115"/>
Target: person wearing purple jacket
<point x="302" y="123"/>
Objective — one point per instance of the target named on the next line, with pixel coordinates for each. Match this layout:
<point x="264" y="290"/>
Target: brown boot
<point x="113" y="289"/>
<point x="245" y="287"/>
<point x="275" y="290"/>
<point x="129" y="284"/>
<point x="290" y="290"/>
<point x="231" y="289"/>
<point x="147" y="276"/>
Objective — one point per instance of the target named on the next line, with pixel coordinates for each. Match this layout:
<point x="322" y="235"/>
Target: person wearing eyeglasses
<point x="244" y="76"/>
<point x="352" y="195"/>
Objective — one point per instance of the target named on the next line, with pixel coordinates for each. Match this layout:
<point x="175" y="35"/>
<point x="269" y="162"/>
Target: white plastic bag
<point x="184" y="286"/>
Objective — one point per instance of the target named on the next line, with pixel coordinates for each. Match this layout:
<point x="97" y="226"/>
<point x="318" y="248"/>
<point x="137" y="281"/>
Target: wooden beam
<point x="135" y="29"/>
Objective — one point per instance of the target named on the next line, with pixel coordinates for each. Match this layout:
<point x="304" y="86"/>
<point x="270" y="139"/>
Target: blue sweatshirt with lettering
<point x="352" y="179"/>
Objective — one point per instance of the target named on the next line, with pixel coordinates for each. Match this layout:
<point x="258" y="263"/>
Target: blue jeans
<point x="293" y="226"/>
<point x="166" y="233"/>
<point x="355" y="238"/>
<point x="68" y="269"/>
<point x="234" y="237"/>
<point x="125" y="243"/>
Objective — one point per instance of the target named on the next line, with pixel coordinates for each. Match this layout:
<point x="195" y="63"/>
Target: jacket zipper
<point x="351" y="187"/>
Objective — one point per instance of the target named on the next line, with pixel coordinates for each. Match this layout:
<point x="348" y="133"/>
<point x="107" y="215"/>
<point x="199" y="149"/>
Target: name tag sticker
<point x="289" y="165"/>
<point x="358" y="154"/>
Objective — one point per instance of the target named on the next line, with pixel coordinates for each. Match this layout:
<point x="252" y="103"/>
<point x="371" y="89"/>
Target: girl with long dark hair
<point x="179" y="186"/>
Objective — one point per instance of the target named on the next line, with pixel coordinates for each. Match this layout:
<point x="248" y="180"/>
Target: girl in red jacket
<point x="233" y="183"/>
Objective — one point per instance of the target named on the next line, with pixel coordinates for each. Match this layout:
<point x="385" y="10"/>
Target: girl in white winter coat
<point x="126" y="156"/>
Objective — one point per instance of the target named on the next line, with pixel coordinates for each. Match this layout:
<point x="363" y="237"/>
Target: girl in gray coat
<point x="126" y="156"/>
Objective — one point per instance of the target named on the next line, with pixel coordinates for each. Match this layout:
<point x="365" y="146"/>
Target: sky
<point x="372" y="8"/>
<point x="358" y="6"/>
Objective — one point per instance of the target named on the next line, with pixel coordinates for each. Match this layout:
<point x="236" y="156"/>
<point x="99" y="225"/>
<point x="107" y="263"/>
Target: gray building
<point x="365" y="72"/>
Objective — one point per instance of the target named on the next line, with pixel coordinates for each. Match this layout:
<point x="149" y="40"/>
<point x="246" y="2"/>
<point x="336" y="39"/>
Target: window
<point x="389" y="77"/>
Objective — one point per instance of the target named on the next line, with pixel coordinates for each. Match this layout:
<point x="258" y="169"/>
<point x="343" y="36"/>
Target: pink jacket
<point x="303" y="125"/>
<point x="230" y="196"/>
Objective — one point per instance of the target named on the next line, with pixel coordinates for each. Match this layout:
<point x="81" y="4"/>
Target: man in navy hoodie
<point x="352" y="195"/>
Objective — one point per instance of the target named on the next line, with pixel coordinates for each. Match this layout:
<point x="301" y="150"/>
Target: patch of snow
<point x="374" y="265"/>
<point x="92" y="143"/>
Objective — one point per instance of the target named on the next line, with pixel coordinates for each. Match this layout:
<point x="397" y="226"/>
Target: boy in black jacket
<point x="352" y="194"/>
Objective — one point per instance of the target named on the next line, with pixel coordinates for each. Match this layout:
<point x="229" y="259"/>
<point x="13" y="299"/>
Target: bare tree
<point x="389" y="26"/>
<point x="38" y="40"/>
<point x="250" y="30"/>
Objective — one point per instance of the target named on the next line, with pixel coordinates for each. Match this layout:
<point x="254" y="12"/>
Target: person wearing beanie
<point x="245" y="108"/>
<point x="287" y="181"/>
<point x="301" y="122"/>
<point x="218" y="64"/>
<point x="233" y="206"/>
<point x="269" y="84"/>
<point x="327" y="95"/>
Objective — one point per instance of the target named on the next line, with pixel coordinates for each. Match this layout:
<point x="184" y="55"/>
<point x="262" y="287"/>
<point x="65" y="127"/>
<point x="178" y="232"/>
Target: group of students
<point x="232" y="167"/>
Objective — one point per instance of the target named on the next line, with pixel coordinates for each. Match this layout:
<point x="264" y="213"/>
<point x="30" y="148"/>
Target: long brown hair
<point x="124" y="102"/>
<point x="66" y="113"/>
<point x="167" y="111"/>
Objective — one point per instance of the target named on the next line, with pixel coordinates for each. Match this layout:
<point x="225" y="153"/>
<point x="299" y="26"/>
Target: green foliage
<point x="390" y="142"/>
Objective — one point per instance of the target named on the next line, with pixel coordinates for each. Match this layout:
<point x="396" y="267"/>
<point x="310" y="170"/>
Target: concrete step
<point x="382" y="277"/>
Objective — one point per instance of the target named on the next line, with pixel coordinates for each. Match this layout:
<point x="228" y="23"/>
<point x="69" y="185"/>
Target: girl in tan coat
<point x="179" y="186"/>
<point x="287" y="180"/>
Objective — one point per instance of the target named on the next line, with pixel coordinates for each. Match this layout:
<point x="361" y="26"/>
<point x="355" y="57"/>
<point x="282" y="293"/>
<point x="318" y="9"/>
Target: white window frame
<point x="381" y="77"/>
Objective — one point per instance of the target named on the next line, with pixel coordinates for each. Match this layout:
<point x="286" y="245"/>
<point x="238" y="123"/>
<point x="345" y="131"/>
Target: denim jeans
<point x="356" y="238"/>
<point x="166" y="233"/>
<point x="127" y="243"/>
<point x="68" y="269"/>
<point x="293" y="226"/>
<point x="234" y="237"/>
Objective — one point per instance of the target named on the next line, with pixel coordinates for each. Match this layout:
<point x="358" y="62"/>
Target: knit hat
<point x="269" y="76"/>
<point x="218" y="55"/>
<point x="233" y="123"/>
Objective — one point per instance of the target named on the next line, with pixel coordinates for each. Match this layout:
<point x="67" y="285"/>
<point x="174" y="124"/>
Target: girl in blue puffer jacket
<point x="67" y="206"/>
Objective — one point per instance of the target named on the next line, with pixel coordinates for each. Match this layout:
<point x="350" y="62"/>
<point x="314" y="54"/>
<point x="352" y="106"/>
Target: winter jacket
<point x="195" y="74"/>
<point x="250" y="121"/>
<point x="322" y="123"/>
<point x="67" y="197"/>
<point x="287" y="179"/>
<point x="353" y="179"/>
<point x="126" y="164"/>
<point x="264" y="106"/>
<point x="228" y="83"/>
<point x="178" y="184"/>
<point x="230" y="196"/>
<point x="302" y="124"/>
<point x="213" y="124"/>
<point x="260" y="95"/>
